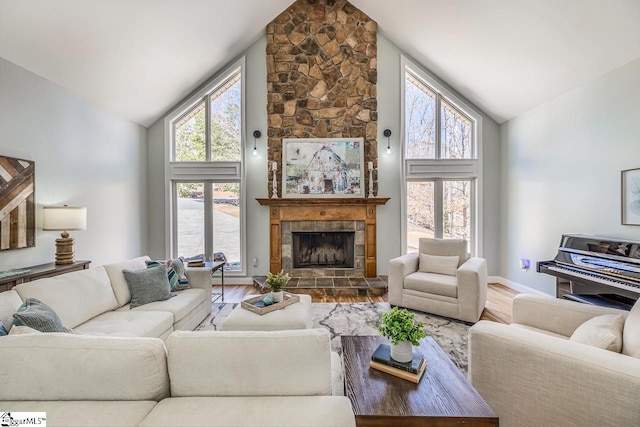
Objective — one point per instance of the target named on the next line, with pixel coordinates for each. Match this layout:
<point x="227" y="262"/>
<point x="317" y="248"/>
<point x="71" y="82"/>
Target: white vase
<point x="277" y="296"/>
<point x="402" y="352"/>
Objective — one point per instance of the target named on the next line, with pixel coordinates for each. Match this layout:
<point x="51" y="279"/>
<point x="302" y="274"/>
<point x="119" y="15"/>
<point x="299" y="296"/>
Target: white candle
<point x="370" y="165"/>
<point x="275" y="166"/>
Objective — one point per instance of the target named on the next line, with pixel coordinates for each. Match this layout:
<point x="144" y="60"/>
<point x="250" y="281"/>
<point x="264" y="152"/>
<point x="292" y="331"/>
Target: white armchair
<point x="532" y="374"/>
<point x="441" y="279"/>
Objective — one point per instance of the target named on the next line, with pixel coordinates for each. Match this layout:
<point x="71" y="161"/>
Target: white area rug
<point x="363" y="319"/>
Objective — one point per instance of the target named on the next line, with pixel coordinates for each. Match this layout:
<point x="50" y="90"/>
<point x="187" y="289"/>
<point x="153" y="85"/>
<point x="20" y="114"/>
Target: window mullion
<point x="438" y="207"/>
<point x="207" y="127"/>
<point x="438" y="126"/>
<point x="208" y="220"/>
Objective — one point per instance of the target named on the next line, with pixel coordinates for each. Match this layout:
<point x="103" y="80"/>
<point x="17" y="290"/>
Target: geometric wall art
<point x="17" y="203"/>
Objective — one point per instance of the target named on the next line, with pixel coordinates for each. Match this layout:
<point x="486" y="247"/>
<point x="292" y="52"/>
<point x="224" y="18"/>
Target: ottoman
<point x="294" y="316"/>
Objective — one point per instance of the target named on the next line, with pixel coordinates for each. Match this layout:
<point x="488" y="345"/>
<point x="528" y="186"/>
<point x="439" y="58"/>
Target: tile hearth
<point x="331" y="286"/>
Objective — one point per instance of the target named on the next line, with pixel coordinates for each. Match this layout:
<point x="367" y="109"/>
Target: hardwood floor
<point x="498" y="308"/>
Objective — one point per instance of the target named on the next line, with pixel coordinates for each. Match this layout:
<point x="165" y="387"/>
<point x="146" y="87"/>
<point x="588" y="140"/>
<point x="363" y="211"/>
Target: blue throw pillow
<point x="148" y="285"/>
<point x="39" y="316"/>
<point x="3" y="330"/>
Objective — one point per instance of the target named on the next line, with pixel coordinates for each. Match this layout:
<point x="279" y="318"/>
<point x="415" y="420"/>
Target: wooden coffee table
<point x="443" y="397"/>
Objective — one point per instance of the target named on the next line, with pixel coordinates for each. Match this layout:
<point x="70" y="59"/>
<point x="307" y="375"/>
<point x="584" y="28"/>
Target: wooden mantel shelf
<point x="323" y="209"/>
<point x="320" y="201"/>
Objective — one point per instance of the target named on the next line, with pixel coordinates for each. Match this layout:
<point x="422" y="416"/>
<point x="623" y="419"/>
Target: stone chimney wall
<point x="322" y="76"/>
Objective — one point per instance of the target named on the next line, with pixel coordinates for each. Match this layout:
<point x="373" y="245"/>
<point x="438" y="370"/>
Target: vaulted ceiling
<point x="138" y="58"/>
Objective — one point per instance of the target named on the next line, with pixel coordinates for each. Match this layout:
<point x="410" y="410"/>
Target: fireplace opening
<point x="325" y="249"/>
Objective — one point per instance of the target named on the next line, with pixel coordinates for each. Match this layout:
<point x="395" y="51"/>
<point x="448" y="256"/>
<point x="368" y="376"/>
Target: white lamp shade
<point x="64" y="218"/>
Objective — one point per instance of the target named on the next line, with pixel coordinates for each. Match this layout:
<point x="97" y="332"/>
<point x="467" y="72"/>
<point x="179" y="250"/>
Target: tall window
<point x="441" y="171"/>
<point x="206" y="178"/>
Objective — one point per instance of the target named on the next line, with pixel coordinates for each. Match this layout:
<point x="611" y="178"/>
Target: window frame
<point x="206" y="171"/>
<point x="438" y="170"/>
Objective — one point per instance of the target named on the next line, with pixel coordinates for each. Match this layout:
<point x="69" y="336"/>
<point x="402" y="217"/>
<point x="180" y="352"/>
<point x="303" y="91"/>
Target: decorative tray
<point x="256" y="305"/>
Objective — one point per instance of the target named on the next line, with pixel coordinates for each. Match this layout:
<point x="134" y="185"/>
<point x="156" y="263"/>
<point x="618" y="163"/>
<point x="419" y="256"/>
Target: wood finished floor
<point x="498" y="308"/>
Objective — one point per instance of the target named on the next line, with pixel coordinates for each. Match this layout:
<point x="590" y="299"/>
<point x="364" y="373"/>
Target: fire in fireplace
<point x="324" y="249"/>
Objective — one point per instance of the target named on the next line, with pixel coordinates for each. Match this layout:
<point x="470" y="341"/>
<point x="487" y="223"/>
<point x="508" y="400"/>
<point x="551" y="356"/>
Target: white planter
<point x="402" y="352"/>
<point x="277" y="296"/>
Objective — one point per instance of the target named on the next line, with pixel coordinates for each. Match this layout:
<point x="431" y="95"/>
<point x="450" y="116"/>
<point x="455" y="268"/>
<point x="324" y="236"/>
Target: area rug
<point x="363" y="319"/>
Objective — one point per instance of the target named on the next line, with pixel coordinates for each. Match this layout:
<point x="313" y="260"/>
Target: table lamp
<point x="64" y="218"/>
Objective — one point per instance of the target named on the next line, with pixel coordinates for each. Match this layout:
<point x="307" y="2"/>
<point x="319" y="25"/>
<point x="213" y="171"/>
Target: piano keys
<point x="596" y="270"/>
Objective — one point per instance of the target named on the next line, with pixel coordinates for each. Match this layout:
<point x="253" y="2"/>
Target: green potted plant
<point x="403" y="331"/>
<point x="276" y="282"/>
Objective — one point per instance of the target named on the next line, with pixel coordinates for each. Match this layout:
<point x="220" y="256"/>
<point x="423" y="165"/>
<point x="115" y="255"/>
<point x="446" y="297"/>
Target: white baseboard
<point x="515" y="286"/>
<point x="233" y="281"/>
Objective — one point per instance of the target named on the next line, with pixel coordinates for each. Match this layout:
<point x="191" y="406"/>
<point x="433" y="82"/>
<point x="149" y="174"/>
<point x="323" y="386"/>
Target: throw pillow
<point x="439" y="264"/>
<point x="178" y="266"/>
<point x="37" y="315"/>
<point x="3" y="330"/>
<point x="631" y="332"/>
<point x="602" y="331"/>
<point x="148" y="285"/>
<point x="175" y="273"/>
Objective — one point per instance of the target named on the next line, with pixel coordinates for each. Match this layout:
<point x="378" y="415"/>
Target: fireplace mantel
<point x="348" y="201"/>
<point x="323" y="209"/>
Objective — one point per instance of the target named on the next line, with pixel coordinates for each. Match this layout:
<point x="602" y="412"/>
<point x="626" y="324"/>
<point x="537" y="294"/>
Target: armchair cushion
<point x="430" y="283"/>
<point x="445" y="247"/>
<point x="602" y="331"/>
<point x="439" y="264"/>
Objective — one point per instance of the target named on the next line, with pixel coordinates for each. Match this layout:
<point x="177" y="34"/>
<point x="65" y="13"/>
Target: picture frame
<point x="323" y="167"/>
<point x="17" y="203"/>
<point x="630" y="196"/>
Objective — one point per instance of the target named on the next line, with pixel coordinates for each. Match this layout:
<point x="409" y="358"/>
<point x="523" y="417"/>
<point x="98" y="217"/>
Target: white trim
<point x="516" y="286"/>
<point x="422" y="170"/>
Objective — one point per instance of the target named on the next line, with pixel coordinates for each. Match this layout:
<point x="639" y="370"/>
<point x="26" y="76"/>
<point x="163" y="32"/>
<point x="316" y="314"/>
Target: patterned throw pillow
<point x="148" y="285"/>
<point x="175" y="272"/>
<point x="39" y="316"/>
<point x="3" y="330"/>
<point x="178" y="266"/>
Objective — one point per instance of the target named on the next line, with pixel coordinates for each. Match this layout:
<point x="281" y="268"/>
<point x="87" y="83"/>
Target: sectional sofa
<point x="117" y="370"/>
<point x="96" y="301"/>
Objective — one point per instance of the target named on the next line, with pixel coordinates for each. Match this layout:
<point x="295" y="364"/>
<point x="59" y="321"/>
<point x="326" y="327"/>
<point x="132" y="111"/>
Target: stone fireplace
<point x="322" y="74"/>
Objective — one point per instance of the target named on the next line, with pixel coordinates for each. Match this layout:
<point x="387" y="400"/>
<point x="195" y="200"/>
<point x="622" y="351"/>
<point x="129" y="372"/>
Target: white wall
<point x="389" y="86"/>
<point x="561" y="166"/>
<point x="83" y="156"/>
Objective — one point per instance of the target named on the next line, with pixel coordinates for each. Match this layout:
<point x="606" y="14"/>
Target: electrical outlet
<point x="255" y="262"/>
<point x="525" y="264"/>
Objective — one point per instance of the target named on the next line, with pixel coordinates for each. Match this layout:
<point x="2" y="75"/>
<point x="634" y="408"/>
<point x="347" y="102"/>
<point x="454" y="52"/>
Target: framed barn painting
<point x="323" y="167"/>
<point x="17" y="203"/>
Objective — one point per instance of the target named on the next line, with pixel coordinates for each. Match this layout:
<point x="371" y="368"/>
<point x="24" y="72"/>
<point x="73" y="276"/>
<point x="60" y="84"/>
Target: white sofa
<point x="532" y="374"/>
<point x="96" y="302"/>
<point x="244" y="378"/>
